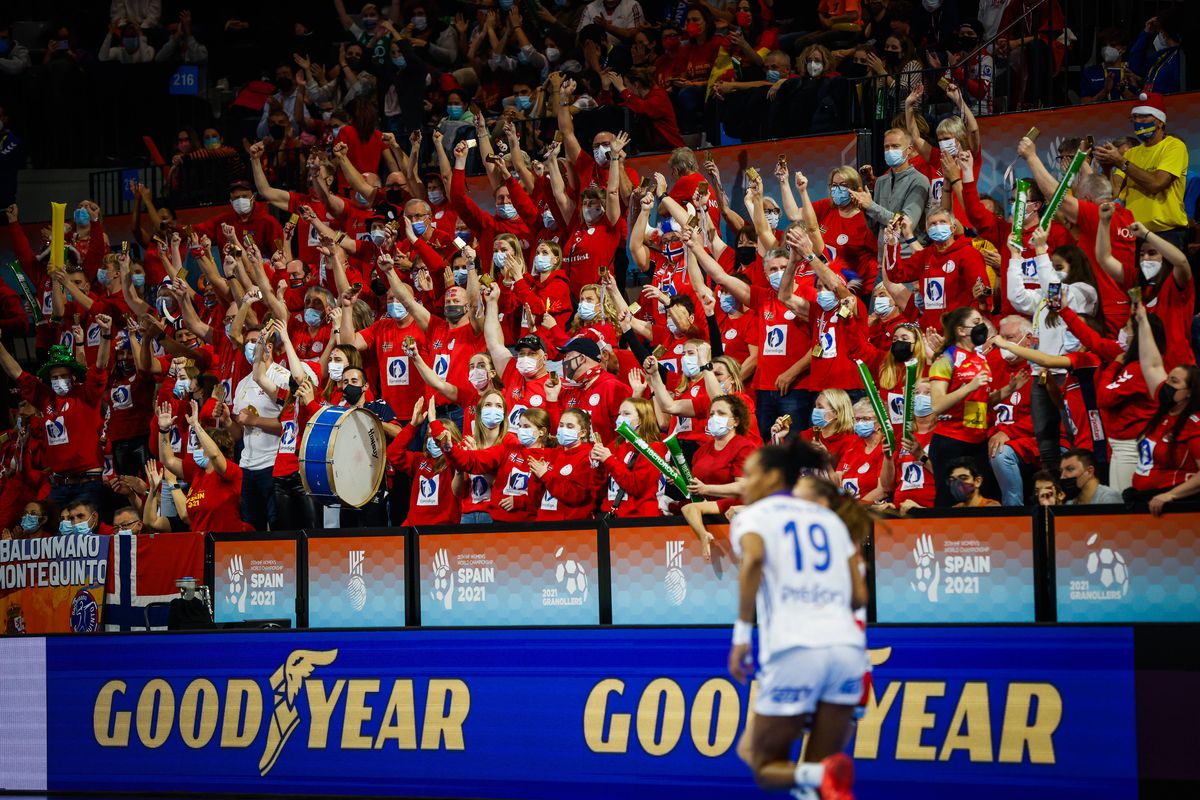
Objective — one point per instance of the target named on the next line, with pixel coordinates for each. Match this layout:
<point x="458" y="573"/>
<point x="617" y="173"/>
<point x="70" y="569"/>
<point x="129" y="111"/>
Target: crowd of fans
<point x="499" y="347"/>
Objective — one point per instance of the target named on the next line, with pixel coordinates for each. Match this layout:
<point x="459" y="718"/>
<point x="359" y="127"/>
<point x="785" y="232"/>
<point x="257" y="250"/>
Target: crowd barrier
<point x="986" y="566"/>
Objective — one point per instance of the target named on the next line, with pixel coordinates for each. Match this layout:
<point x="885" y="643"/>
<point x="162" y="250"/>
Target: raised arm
<point x="612" y="197"/>
<point x="1181" y="269"/>
<point x="910" y="121"/>
<point x="738" y="288"/>
<point x="566" y="126"/>
<point x="276" y="197"/>
<point x="1150" y="358"/>
<point x="1045" y="181"/>
<point x="1104" y="257"/>
<point x="493" y="335"/>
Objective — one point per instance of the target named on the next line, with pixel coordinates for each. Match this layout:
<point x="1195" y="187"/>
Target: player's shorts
<point x="796" y="679"/>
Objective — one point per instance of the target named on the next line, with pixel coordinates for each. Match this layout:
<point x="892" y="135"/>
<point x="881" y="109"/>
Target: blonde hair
<point x="515" y="245"/>
<point x="477" y="428"/>
<point x="439" y="463"/>
<point x="838" y="402"/>
<point x="704" y="351"/>
<point x="607" y="309"/>
<point x="849" y="175"/>
<point x="555" y="251"/>
<point x="890" y="371"/>
<point x="735" y="373"/>
<point x="647" y="421"/>
<point x="952" y="128"/>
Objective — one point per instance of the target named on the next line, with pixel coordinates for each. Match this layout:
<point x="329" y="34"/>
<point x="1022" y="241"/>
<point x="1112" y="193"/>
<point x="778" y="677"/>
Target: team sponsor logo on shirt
<point x="397" y="371"/>
<point x="56" y="432"/>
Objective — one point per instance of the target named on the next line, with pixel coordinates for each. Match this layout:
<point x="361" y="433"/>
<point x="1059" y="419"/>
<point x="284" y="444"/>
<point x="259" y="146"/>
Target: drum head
<point x="356" y="454"/>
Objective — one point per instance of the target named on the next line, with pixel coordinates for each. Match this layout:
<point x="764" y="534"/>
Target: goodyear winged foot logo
<point x="285" y="683"/>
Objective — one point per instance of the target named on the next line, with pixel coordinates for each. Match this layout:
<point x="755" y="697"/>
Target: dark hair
<point x="1157" y="330"/>
<point x="364" y="117"/>
<point x="1079" y="270"/>
<point x="223" y="439"/>
<point x="964" y="462"/>
<point x="951" y="322"/>
<point x="710" y="24"/>
<point x="683" y="300"/>
<point x="741" y="413"/>
<point x="1193" y="405"/>
<point x="1046" y="476"/>
<point x="88" y="504"/>
<point x="1086" y="457"/>
<point x="794" y="459"/>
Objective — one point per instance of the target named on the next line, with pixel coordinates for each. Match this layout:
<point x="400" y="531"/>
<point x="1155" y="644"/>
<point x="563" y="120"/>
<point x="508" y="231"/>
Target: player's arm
<point x="749" y="579"/>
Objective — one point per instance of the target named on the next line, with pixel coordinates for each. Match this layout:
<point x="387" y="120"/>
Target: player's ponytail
<point x="793" y="460"/>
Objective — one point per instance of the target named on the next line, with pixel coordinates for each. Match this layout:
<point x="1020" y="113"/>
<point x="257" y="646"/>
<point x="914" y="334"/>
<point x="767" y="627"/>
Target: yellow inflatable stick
<point x="58" y="215"/>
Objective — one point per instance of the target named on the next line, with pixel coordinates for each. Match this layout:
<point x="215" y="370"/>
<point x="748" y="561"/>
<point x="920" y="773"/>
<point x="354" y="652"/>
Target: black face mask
<point x="378" y="287"/>
<point x="352" y="394"/>
<point x="276" y="131"/>
<point x="890" y="57"/>
<point x="1071" y="489"/>
<point x="353" y="62"/>
<point x="852" y="70"/>
<point x="746" y="254"/>
<point x="455" y="313"/>
<point x="979" y="334"/>
<point x="284" y="85"/>
<point x="901" y="351"/>
<point x="967" y="43"/>
<point x="395" y="196"/>
<point x="1166" y="396"/>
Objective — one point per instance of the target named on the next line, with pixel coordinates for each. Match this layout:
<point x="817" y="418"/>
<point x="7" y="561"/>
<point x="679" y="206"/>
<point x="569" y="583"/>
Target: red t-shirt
<point x="572" y="484"/>
<point x="967" y="420"/>
<point x="783" y="336"/>
<point x="266" y="228"/>
<point x="914" y="480"/>
<point x="860" y="469"/>
<point x="521" y="393"/>
<point x="452" y="349"/>
<point x="1165" y="460"/>
<point x="1122" y="397"/>
<point x="131" y="405"/>
<point x="631" y="472"/>
<point x="600" y="400"/>
<point x="214" y="500"/>
<point x="364" y="155"/>
<point x="1113" y="299"/>
<point x="287" y="462"/>
<point x="833" y="367"/>
<point x="510" y="462"/>
<point x="1175" y="305"/>
<point x="433" y="501"/>
<point x="716" y="467"/>
<point x="400" y="385"/>
<point x="587" y="249"/>
<point x="72" y="422"/>
<point x="946" y="278"/>
<point x="849" y="240"/>
<point x="738" y="334"/>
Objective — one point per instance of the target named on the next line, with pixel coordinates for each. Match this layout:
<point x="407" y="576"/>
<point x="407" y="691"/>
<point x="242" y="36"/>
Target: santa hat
<point x="1151" y="103"/>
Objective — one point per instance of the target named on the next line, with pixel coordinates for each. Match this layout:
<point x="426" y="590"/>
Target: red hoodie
<point x="946" y="278"/>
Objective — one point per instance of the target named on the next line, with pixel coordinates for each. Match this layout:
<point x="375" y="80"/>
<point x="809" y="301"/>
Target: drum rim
<point x="329" y="465"/>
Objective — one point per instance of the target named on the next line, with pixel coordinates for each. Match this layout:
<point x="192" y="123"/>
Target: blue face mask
<point x="567" y="437"/>
<point x="102" y="276"/>
<point x="432" y="448"/>
<point x="30" y="523"/>
<point x="419" y="228"/>
<point x="524" y="102"/>
<point x="893" y="157"/>
<point x="139" y="279"/>
<point x="940" y="232"/>
<point x="827" y="300"/>
<point x="65" y="526"/>
<point x="818" y="418"/>
<point x="379" y="237"/>
<point x="249" y="351"/>
<point x="454" y="111"/>
<point x="399" y="63"/>
<point x="82" y="527"/>
<point x="131" y="42"/>
<point x="506" y="4"/>
<point x="460" y="277"/>
<point x="498" y="259"/>
<point x="182" y="387"/>
<point x="864" y="429"/>
<point x="922" y="405"/>
<point x="773" y="75"/>
<point x="542" y="262"/>
<point x="312" y="317"/>
<point x="201" y="459"/>
<point x="840" y="195"/>
<point x="776" y="279"/>
<point x="397" y="310"/>
<point x="587" y="311"/>
<point x="508" y="211"/>
<point x="526" y="437"/>
<point x="1143" y="132"/>
<point x="491" y="417"/>
<point x="729" y="303"/>
<point x="82" y="217"/>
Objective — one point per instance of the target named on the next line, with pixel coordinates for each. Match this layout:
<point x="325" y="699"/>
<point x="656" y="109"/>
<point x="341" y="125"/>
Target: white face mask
<point x="1123" y="339"/>
<point x="600" y="154"/>
<point x="690" y="366"/>
<point x="1008" y="356"/>
<point x="335" y="370"/>
<point x="883" y="306"/>
<point x="773" y="219"/>
<point x="478" y="378"/>
<point x="527" y="366"/>
<point x="242" y="205"/>
<point x="60" y="386"/>
<point x="1160" y="41"/>
<point x="1109" y="53"/>
<point x="1150" y="269"/>
<point x="814" y="68"/>
<point x="948" y="146"/>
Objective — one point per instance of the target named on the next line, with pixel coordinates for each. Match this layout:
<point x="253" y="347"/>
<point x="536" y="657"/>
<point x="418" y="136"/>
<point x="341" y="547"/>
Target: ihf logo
<point x="356" y="587"/>
<point x="675" y="581"/>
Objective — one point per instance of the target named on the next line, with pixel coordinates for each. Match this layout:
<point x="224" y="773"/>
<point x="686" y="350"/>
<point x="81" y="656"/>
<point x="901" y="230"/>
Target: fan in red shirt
<point x="244" y="216"/>
<point x="717" y="464"/>
<point x="595" y="236"/>
<point x="843" y="226"/>
<point x="436" y="484"/>
<point x="364" y="142"/>
<point x="216" y="488"/>
<point x="544" y="291"/>
<point x="913" y="477"/>
<point x="634" y="484"/>
<point x="516" y="492"/>
<point x="866" y="468"/>
<point x="513" y="206"/>
<point x="651" y="104"/>
<point x="950" y="273"/>
<point x="1168" y="467"/>
<point x="573" y="478"/>
<point x="589" y="387"/>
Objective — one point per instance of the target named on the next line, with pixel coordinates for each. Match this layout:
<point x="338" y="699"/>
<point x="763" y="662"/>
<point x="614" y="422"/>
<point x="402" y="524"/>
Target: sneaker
<point x="839" y="778"/>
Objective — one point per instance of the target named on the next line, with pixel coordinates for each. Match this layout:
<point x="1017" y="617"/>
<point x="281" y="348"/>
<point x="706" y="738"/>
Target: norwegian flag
<point x="143" y="570"/>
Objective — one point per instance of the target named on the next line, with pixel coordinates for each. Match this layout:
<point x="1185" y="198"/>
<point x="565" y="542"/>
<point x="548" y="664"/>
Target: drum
<point x="342" y="456"/>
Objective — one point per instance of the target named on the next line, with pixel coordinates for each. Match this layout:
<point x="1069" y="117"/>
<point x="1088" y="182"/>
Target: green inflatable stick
<point x="639" y="444"/>
<point x="881" y="416"/>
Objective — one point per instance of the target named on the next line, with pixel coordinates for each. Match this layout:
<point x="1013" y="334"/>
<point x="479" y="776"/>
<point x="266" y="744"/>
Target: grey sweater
<point x="898" y="193"/>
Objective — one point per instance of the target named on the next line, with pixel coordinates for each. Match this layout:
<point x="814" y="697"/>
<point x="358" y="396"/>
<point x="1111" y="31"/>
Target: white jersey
<point x="806" y="592"/>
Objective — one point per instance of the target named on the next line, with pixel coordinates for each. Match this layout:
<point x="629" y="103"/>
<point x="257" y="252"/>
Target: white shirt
<point x="627" y="14"/>
<point x="806" y="592"/>
<point x="259" y="448"/>
<point x="1053" y="340"/>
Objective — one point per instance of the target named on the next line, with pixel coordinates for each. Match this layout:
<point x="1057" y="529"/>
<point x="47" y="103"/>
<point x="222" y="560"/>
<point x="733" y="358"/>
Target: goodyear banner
<point x="988" y="713"/>
<point x="53" y="584"/>
<point x="255" y="577"/>
<point x="544" y="576"/>
<point x="977" y="569"/>
<point x="356" y="580"/>
<point x="660" y="576"/>
<point x="1127" y="568"/>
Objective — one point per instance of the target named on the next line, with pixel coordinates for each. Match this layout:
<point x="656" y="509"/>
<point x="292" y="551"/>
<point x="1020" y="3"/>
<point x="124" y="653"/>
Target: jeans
<point x="1047" y="423"/>
<point x="67" y="494"/>
<point x="258" y="498"/>
<point x="769" y="405"/>
<point x="294" y="507"/>
<point x="476" y="518"/>
<point x="1007" y="467"/>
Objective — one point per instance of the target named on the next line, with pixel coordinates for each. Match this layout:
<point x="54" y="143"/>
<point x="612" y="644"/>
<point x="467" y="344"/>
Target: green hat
<point x="60" y="356"/>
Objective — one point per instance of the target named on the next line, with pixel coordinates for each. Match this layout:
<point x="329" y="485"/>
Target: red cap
<point x="1151" y="103"/>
